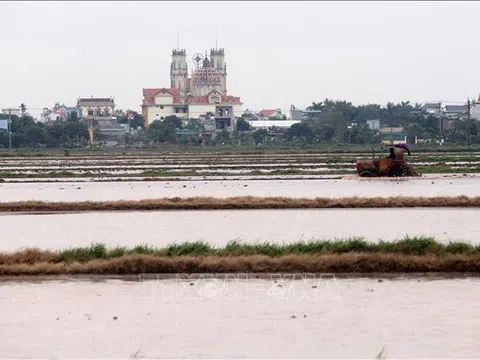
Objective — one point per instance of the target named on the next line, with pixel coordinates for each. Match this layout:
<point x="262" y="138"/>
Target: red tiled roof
<point x="226" y="98"/>
<point x="198" y="100"/>
<point x="213" y="92"/>
<point x="267" y="113"/>
<point x="149" y="97"/>
<point x="231" y="99"/>
<point x="153" y="92"/>
<point x="149" y="94"/>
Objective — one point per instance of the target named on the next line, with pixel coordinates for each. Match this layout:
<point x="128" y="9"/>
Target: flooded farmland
<point x="321" y="316"/>
<point x="313" y="317"/>
<point x="197" y="164"/>
<point x="138" y="190"/>
<point x="161" y="228"/>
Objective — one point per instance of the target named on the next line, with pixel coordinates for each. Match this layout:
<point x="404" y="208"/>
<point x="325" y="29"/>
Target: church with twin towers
<point x="208" y="73"/>
<point x="196" y="92"/>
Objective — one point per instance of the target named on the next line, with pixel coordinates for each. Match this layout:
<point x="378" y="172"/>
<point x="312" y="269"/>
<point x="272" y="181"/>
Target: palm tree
<point x="316" y="106"/>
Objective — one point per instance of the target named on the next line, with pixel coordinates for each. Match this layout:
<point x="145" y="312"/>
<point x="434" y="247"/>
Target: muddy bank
<point x="242" y="203"/>
<point x="325" y="263"/>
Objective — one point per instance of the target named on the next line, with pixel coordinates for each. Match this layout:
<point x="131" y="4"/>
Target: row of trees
<point x="412" y="118"/>
<point x="342" y="122"/>
<point x="28" y="133"/>
<point x="332" y="122"/>
<point x="71" y="133"/>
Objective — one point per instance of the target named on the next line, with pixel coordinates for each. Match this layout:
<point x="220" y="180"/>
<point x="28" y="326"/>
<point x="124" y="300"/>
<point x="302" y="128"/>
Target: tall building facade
<point x="179" y="71"/>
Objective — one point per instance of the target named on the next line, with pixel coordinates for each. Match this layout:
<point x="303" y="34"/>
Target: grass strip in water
<point x="241" y="203"/>
<point x="356" y="255"/>
<point x="445" y="169"/>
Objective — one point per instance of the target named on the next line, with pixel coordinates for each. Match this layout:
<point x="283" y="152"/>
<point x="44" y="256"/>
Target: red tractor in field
<point x="388" y="166"/>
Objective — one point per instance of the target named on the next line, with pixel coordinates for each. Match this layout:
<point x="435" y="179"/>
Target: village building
<point x="453" y="111"/>
<point x="475" y="110"/>
<point x="282" y="125"/>
<point x="392" y="135"/>
<point x="99" y="113"/>
<point x="96" y="108"/>
<point x="271" y="114"/>
<point x="59" y="112"/>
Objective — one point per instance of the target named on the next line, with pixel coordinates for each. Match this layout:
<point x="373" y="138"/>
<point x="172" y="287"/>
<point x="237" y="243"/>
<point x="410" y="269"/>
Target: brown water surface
<point x="136" y="190"/>
<point x="317" y="317"/>
<point x="59" y="231"/>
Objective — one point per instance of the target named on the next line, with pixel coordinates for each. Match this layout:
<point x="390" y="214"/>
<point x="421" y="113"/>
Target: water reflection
<point x="218" y="227"/>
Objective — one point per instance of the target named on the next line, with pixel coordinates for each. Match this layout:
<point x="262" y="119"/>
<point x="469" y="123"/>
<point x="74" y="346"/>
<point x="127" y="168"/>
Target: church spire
<point x="206" y="62"/>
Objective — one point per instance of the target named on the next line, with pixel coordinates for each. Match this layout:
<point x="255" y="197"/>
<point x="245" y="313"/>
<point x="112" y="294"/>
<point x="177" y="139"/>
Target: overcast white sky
<point x="277" y="53"/>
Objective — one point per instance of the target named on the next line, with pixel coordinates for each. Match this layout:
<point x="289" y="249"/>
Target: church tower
<point x="179" y="71"/>
<point x="217" y="58"/>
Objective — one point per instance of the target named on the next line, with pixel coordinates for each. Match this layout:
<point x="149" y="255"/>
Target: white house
<point x="96" y="107"/>
<point x="266" y="124"/>
<point x="475" y="110"/>
<point x="453" y="111"/>
<point x="160" y="103"/>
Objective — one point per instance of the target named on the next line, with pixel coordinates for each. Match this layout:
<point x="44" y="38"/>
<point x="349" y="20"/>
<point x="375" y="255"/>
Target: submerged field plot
<point x="191" y="164"/>
<point x="192" y="198"/>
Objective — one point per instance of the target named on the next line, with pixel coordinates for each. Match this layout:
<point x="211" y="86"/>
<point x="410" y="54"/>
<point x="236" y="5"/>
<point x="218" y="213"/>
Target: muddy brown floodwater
<point x="59" y="231"/>
<point x="136" y="190"/>
<point x="312" y="317"/>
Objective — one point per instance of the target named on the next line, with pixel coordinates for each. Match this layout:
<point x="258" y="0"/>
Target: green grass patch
<point x="446" y="169"/>
<point x="406" y="246"/>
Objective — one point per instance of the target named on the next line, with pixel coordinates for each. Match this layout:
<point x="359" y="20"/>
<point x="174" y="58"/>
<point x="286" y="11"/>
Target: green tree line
<point x="333" y="122"/>
<point x="28" y="133"/>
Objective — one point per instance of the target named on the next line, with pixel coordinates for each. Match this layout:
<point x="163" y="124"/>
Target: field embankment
<point x="409" y="255"/>
<point x="241" y="203"/>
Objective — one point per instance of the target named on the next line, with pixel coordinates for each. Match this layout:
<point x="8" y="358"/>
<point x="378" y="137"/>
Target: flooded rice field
<point x="162" y="228"/>
<point x="332" y="188"/>
<point x="191" y="164"/>
<point x="314" y="317"/>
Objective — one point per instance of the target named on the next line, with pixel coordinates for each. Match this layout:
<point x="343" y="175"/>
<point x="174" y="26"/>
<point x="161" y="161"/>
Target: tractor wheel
<point x="366" y="173"/>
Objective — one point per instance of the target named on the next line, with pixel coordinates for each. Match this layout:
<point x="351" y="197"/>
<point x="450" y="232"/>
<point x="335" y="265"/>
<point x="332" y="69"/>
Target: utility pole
<point x="9" y="130"/>
<point x="90" y="131"/>
<point x="469" y="122"/>
<point x="9" y="122"/>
